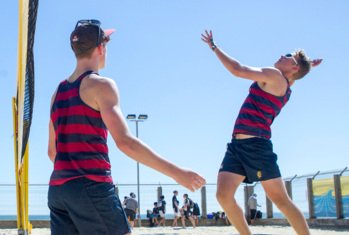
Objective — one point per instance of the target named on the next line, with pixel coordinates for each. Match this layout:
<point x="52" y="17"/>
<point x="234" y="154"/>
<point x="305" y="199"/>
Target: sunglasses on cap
<point x="95" y="23"/>
<point x="289" y="55"/>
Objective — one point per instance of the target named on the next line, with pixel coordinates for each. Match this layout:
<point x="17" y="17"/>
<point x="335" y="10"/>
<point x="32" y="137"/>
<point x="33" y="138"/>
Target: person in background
<point x="155" y="215"/>
<point x="131" y="208"/>
<point x="196" y="213"/>
<point x="252" y="205"/>
<point x="187" y="210"/>
<point x="124" y="202"/>
<point x="225" y="218"/>
<point x="162" y="210"/>
<point x="175" y="206"/>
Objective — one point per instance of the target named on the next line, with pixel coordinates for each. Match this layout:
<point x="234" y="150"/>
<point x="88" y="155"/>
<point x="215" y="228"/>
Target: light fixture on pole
<point x="140" y="118"/>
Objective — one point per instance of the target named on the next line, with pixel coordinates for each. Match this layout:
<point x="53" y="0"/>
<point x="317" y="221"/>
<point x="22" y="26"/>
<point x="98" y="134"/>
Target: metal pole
<point x="338" y="196"/>
<point x="269" y="204"/>
<point x="139" y="196"/>
<point x="203" y="203"/>
<point x="288" y="185"/>
<point x="248" y="191"/>
<point x="311" y="198"/>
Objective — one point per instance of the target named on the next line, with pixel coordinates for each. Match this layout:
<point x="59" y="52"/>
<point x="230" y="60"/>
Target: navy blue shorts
<point x="83" y="206"/>
<point x="131" y="215"/>
<point x="253" y="158"/>
<point x="188" y="213"/>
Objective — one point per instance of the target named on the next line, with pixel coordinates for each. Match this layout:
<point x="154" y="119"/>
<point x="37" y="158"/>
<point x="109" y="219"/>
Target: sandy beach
<point x="257" y="230"/>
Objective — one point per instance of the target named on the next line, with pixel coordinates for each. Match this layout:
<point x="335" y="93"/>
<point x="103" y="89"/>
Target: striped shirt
<point x="259" y="111"/>
<point x="80" y="135"/>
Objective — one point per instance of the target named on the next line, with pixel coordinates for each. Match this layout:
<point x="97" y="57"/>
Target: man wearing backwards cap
<point x="84" y="108"/>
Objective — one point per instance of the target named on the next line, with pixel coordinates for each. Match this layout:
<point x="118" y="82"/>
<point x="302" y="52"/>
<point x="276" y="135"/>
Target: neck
<point x="290" y="80"/>
<point x="82" y="66"/>
<point x="287" y="75"/>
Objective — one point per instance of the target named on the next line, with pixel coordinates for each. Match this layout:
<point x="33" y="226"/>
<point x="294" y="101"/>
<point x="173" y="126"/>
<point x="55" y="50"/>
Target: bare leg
<point x="192" y="221"/>
<point x="226" y="187"/>
<point x="196" y="218"/>
<point x="161" y="222"/>
<point x="276" y="191"/>
<point x="175" y="221"/>
<point x="183" y="221"/>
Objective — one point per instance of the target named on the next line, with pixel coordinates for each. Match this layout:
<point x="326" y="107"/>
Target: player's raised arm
<point x="266" y="75"/>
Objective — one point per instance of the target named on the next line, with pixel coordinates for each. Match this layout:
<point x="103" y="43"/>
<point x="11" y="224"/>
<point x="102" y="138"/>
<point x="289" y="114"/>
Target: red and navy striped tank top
<point x="81" y="137"/>
<point x="258" y="112"/>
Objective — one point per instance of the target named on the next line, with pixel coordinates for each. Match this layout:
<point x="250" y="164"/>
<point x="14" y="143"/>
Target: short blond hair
<point x="304" y="63"/>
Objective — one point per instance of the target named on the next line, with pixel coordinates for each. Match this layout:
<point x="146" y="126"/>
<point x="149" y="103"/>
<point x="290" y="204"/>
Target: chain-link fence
<point x="149" y="194"/>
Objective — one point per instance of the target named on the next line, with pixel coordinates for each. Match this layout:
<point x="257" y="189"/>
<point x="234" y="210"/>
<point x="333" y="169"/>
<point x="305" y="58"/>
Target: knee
<point x="220" y="196"/>
<point x="282" y="201"/>
<point x="225" y="197"/>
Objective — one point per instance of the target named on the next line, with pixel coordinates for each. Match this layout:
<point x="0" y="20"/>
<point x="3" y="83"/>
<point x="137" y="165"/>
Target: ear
<point x="296" y="68"/>
<point x="100" y="49"/>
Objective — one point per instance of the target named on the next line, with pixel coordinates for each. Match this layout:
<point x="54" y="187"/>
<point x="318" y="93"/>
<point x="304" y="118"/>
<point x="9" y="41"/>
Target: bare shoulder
<point x="98" y="80"/>
<point x="276" y="83"/>
<point x="99" y="92"/>
<point x="274" y="76"/>
<point x="272" y="73"/>
<point x="100" y="85"/>
<point x="263" y="75"/>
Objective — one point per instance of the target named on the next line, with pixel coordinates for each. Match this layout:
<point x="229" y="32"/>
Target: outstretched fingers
<point x="316" y="62"/>
<point x="207" y="37"/>
<point x="204" y="38"/>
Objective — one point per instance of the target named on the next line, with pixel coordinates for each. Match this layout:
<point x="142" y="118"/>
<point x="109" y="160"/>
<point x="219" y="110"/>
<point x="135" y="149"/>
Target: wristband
<point x="213" y="46"/>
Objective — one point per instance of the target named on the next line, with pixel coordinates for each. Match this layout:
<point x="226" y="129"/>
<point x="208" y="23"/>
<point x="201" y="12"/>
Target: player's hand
<point x="190" y="179"/>
<point x="208" y="38"/>
<point x="316" y="62"/>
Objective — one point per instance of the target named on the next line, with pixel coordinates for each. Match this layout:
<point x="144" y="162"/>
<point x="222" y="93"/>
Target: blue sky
<point x="163" y="69"/>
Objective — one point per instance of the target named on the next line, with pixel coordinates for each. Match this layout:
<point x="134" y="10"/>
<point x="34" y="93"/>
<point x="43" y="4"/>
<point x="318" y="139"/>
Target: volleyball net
<point x="23" y="106"/>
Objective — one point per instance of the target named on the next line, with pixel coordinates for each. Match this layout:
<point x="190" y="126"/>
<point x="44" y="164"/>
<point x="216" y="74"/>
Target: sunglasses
<point x="95" y="23"/>
<point x="289" y="55"/>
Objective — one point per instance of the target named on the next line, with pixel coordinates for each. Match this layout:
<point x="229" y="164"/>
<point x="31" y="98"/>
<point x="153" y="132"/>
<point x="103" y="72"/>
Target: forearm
<point x="52" y="153"/>
<point x="140" y="152"/>
<point x="52" y="158"/>
<point x="229" y="63"/>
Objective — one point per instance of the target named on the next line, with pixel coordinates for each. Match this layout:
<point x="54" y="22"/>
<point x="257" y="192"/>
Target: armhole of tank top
<point x="82" y="101"/>
<point x="288" y="89"/>
<point x="54" y="100"/>
<point x="288" y="82"/>
<point x="278" y="97"/>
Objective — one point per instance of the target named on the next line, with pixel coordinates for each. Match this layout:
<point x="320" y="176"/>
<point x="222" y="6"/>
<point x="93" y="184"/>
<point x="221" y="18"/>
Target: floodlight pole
<point x="141" y="118"/>
<point x="138" y="181"/>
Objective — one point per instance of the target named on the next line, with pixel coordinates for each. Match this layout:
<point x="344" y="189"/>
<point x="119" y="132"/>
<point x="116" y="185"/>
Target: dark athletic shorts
<point x="253" y="158"/>
<point x="83" y="206"/>
<point x="188" y="214"/>
<point x="131" y="215"/>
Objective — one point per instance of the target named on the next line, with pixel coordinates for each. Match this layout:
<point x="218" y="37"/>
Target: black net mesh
<point x="29" y="75"/>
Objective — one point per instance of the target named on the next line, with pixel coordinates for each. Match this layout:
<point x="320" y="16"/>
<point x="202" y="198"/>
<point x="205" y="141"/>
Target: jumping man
<point x="249" y="156"/>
